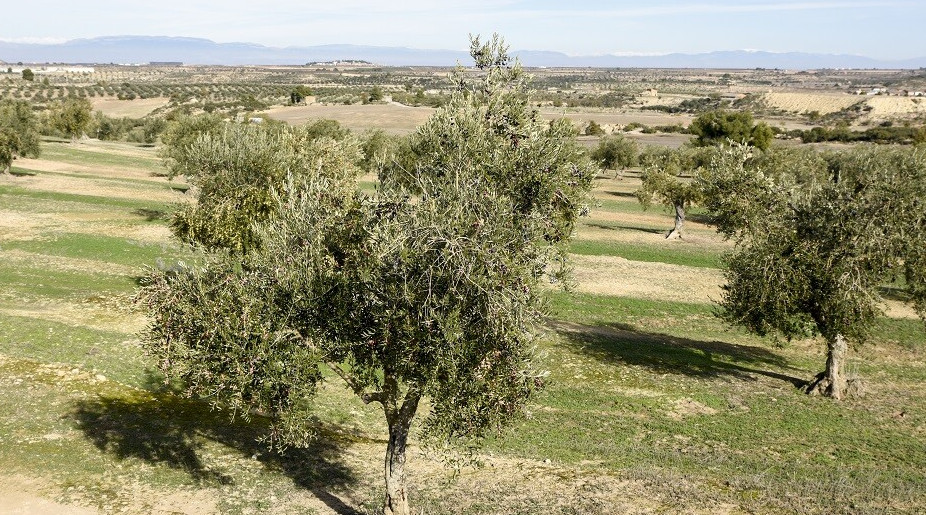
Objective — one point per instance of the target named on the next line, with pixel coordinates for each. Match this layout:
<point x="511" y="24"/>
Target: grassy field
<point x="653" y="405"/>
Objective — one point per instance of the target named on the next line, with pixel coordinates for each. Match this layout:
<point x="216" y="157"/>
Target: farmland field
<point x="392" y="118"/>
<point x="807" y="102"/>
<point x="132" y="108"/>
<point x="653" y="405"/>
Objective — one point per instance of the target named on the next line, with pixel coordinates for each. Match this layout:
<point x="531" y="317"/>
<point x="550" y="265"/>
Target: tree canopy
<point x="429" y="287"/>
<point x="720" y="127"/>
<point x="71" y="116"/>
<point x="815" y="243"/>
<point x="670" y="178"/>
<point x="235" y="170"/>
<point x="616" y="153"/>
<point x="19" y="135"/>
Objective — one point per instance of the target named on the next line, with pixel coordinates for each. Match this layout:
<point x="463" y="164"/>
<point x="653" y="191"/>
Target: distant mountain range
<point x="146" y="49"/>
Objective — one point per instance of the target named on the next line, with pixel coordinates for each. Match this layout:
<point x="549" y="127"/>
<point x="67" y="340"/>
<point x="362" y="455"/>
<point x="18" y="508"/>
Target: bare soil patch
<point x="683" y="408"/>
<point x="392" y="118"/>
<point x="617" y="117"/>
<point x="16" y="226"/>
<point x="897" y="309"/>
<point x="87" y="315"/>
<point x="27" y="496"/>
<point x="137" y="108"/>
<point x="890" y="106"/>
<point x="67" y="263"/>
<point x="114" y="148"/>
<point x="644" y="237"/>
<point x="19" y="227"/>
<point x="671" y="140"/>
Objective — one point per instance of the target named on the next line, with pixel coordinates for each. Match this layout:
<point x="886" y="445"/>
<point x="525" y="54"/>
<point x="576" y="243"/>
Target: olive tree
<point x="428" y="288"/>
<point x="178" y="138"/>
<point x="71" y="116"/>
<point x="669" y="178"/>
<point x="19" y="135"/>
<point x="719" y="127"/>
<point x="616" y="153"/>
<point x="813" y="247"/>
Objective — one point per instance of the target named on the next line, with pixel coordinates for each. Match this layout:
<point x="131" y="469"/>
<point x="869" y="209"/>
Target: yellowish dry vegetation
<point x="891" y="106"/>
<point x="392" y="118"/>
<point x="137" y="108"/>
<point x="823" y="103"/>
<point x="612" y="275"/>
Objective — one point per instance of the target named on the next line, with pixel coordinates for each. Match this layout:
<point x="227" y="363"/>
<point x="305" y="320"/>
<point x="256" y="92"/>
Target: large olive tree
<point x="234" y="170"/>
<point x="429" y="287"/>
<point x="816" y="241"/>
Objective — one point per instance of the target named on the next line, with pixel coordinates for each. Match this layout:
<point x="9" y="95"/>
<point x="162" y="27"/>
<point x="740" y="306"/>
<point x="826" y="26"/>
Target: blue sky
<point x="885" y="29"/>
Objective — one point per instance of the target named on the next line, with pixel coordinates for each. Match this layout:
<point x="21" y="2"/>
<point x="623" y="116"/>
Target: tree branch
<point x="366" y="397"/>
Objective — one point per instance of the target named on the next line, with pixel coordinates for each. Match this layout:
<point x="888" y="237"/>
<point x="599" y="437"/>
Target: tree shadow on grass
<point x="167" y="429"/>
<point x="895" y="293"/>
<point x="623" y="194"/>
<point x="664" y="354"/>
<point x="613" y="227"/>
<point x="150" y="215"/>
<point x="701" y="218"/>
<point x="21" y="172"/>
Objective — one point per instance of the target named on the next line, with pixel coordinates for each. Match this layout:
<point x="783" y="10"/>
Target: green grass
<point x="772" y="451"/>
<point x="755" y="440"/>
<point x="676" y="254"/>
<point x="618" y="205"/>
<point x="115" y="354"/>
<point x="152" y="184"/>
<point x="106" y="249"/>
<point x="69" y="153"/>
<point x="33" y="281"/>
<point x="24" y="199"/>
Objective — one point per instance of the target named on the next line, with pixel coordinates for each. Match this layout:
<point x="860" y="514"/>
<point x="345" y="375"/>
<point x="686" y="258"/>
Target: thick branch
<point x="353" y="384"/>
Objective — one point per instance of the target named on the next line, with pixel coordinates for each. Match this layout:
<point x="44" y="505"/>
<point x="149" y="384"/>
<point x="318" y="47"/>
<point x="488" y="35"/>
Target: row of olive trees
<point x="428" y="288"/>
<point x="817" y="233"/>
<point x="20" y="127"/>
<point x="668" y="175"/>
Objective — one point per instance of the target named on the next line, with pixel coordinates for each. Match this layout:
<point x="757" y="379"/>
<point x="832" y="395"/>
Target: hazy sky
<point x="884" y="29"/>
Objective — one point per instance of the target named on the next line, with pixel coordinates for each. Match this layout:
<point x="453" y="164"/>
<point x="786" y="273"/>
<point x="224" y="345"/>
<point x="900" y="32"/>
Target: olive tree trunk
<point x="676" y="232"/>
<point x="399" y="420"/>
<point x="832" y="382"/>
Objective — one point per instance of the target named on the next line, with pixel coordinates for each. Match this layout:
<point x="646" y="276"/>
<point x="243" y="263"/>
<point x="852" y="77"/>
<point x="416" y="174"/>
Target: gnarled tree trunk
<point x="832" y="382"/>
<point x="676" y="232"/>
<point x="400" y="421"/>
